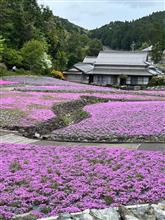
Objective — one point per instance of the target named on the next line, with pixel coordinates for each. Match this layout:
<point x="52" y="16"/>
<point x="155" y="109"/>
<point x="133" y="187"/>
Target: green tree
<point x="94" y="47"/>
<point x="157" y="52"/>
<point x="33" y="54"/>
<point x="144" y="45"/>
<point x="1" y="46"/>
<point x="61" y="60"/>
<point x="120" y="35"/>
<point x="12" y="57"/>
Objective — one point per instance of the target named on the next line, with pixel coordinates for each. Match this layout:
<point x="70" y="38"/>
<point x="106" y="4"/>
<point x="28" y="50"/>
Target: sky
<point x="92" y="14"/>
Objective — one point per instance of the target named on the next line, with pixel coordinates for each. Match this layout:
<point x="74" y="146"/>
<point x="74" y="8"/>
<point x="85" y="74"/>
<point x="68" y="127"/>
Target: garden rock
<point x="65" y="216"/>
<point x="127" y="214"/>
<point x="86" y="217"/>
<point x="144" y="212"/>
<point x="135" y="212"/>
<point x="105" y="214"/>
<point x="49" y="218"/>
<point x="159" y="211"/>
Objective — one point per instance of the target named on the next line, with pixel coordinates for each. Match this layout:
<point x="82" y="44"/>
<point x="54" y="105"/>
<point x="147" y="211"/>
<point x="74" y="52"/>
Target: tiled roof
<point x="121" y="58"/>
<point x="84" y="67"/>
<point x="89" y="60"/>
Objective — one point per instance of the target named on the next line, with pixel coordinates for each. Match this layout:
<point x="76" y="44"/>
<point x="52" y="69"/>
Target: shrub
<point x="57" y="74"/>
<point x="12" y="57"/>
<point x="161" y="67"/>
<point x="157" y="81"/>
<point x="3" y="69"/>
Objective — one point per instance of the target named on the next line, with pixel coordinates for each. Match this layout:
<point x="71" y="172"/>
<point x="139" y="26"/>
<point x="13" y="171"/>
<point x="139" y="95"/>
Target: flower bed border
<point x="66" y="113"/>
<point x="126" y="92"/>
<point x="146" y="211"/>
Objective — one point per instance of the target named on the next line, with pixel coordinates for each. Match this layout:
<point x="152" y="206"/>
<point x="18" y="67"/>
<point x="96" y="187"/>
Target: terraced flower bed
<point x="5" y="82"/>
<point x="52" y="84"/>
<point x="41" y="81"/>
<point x="153" y="92"/>
<point x="48" y="180"/>
<point x="88" y="88"/>
<point x="36" y="106"/>
<point x="129" y="116"/>
<point x="118" y="121"/>
<point x="73" y="87"/>
<point x="27" y="109"/>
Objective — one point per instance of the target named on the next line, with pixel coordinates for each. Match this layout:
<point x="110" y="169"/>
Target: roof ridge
<point x="122" y="51"/>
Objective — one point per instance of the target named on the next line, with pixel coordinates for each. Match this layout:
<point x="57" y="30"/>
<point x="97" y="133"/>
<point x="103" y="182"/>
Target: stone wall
<point x="136" y="212"/>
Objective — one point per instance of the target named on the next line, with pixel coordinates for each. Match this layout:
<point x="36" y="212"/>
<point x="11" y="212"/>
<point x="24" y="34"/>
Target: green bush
<point x="3" y="69"/>
<point x="57" y="74"/>
<point x="161" y="67"/>
<point x="157" y="81"/>
<point x="12" y="57"/>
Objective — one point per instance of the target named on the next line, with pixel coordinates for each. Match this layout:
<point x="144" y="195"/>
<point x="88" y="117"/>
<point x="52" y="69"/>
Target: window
<point x="134" y="80"/>
<point x="139" y="80"/>
<point x="142" y="80"/>
<point x="100" y="79"/>
<point x="128" y="80"/>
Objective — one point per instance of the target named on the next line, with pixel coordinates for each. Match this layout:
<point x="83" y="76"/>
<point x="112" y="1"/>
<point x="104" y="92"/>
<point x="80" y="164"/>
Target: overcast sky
<point x="95" y="13"/>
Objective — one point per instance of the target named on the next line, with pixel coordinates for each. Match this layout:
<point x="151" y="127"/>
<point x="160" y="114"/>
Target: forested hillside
<point x="28" y="30"/>
<point x="144" y="31"/>
<point x="33" y="38"/>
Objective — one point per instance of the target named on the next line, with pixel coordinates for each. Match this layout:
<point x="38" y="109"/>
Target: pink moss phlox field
<point x="48" y="180"/>
<point x="49" y="83"/>
<point x="153" y="92"/>
<point x="68" y="87"/>
<point x="4" y="82"/>
<point x="128" y="97"/>
<point x="35" y="106"/>
<point x="95" y="91"/>
<point x="124" y="119"/>
<point x="41" y="81"/>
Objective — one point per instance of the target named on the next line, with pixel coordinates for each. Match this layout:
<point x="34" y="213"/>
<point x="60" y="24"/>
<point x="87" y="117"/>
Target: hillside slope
<point x="120" y="35"/>
<point x="24" y="20"/>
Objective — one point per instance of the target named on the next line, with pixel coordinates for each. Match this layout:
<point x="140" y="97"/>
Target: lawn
<point x="48" y="180"/>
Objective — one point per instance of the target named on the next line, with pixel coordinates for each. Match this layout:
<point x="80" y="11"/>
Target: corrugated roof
<point x="121" y="58"/>
<point x="89" y="60"/>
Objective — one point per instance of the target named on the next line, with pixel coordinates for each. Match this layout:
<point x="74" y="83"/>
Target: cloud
<point x="94" y="13"/>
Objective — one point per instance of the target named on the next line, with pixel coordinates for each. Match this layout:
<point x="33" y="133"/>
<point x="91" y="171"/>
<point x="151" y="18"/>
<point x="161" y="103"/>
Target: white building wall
<point x="74" y="78"/>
